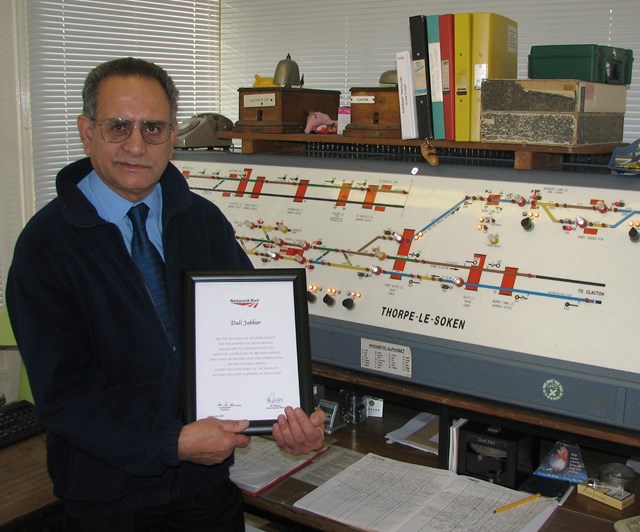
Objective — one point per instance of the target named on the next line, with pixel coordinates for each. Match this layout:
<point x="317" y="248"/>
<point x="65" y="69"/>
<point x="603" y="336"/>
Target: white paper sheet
<point x="414" y="432"/>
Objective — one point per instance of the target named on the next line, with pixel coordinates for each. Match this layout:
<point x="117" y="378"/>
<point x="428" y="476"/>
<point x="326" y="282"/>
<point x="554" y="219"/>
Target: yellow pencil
<point x="517" y="503"/>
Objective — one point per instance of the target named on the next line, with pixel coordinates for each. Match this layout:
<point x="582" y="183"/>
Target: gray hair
<point x="127" y="66"/>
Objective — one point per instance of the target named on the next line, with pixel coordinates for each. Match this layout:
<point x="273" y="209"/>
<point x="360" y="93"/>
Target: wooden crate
<point x="375" y="112"/>
<point x="282" y="110"/>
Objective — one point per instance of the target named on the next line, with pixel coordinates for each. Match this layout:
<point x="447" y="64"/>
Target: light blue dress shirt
<point x="113" y="208"/>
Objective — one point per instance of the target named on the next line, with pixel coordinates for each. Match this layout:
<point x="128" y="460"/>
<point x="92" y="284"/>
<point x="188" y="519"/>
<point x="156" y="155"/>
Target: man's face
<point x="133" y="167"/>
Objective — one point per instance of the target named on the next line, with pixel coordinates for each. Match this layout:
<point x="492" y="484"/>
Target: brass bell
<point x="287" y="73"/>
<point x="389" y="77"/>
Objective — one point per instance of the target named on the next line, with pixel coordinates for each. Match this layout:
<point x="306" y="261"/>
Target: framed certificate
<point x="246" y="352"/>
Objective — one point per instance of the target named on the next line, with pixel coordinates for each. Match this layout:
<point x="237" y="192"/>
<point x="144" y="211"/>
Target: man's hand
<point x="210" y="441"/>
<point x="297" y="433"/>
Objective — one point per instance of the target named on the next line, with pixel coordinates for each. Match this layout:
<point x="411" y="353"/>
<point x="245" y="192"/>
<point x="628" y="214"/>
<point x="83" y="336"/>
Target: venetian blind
<point x="339" y="45"/>
<point x="69" y="37"/>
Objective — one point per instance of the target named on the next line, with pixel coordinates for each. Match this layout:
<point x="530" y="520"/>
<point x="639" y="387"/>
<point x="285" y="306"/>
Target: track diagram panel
<point x="546" y="270"/>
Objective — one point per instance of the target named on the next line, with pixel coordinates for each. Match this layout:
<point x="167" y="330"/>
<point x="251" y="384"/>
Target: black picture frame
<point x="224" y="349"/>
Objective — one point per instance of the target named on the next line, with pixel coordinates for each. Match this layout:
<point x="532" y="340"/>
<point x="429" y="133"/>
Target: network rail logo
<point x="250" y="303"/>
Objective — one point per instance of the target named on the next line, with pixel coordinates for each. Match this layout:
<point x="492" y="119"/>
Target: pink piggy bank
<point x="316" y="119"/>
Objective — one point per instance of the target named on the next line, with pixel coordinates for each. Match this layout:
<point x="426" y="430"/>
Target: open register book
<point x="386" y="495"/>
<point x="263" y="464"/>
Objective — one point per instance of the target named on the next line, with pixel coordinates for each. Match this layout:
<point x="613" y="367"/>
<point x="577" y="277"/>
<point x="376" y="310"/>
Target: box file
<point x="421" y="77"/>
<point x="463" y="78"/>
<point x="406" y="95"/>
<point x="494" y="55"/>
<point x="448" y="58"/>
<point x="435" y="73"/>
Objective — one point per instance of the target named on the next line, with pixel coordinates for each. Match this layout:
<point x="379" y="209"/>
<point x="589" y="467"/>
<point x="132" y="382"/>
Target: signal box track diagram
<point x="540" y="269"/>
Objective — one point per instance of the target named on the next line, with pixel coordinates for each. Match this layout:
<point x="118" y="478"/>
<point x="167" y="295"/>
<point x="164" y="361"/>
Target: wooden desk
<point x="27" y="496"/>
<point x="27" y="493"/>
<point x="577" y="514"/>
<point x="278" y="501"/>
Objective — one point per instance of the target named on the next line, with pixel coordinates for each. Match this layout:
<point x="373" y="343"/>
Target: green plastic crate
<point x="588" y="62"/>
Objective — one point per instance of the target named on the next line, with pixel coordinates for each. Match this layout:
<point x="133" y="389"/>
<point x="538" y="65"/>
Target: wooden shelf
<point x="460" y="403"/>
<point x="526" y="156"/>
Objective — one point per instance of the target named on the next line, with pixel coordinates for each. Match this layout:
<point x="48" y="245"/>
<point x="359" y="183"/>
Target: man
<point x="103" y="366"/>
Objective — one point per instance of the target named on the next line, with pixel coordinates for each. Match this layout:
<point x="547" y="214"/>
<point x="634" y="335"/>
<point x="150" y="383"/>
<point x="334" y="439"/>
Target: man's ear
<point x="85" y="127"/>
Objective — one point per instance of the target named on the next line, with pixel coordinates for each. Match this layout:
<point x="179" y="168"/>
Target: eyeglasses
<point x="116" y="130"/>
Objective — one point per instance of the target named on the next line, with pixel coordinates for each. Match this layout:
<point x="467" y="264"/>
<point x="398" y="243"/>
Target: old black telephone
<point x="201" y="131"/>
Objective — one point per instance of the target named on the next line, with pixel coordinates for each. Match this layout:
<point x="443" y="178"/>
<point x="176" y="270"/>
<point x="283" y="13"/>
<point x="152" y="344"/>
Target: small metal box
<point x="502" y="456"/>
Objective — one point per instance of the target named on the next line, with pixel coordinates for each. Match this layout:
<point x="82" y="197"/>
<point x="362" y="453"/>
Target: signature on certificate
<point x="274" y="402"/>
<point x="226" y="406"/>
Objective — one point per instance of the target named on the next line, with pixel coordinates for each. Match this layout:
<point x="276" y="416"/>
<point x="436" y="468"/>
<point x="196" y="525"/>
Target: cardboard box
<point x="553" y="129"/>
<point x="281" y="109"/>
<point x="553" y="96"/>
<point x="619" y="499"/>
<point x="375" y="112"/>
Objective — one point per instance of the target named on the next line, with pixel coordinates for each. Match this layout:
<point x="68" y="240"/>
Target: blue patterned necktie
<point x="148" y="260"/>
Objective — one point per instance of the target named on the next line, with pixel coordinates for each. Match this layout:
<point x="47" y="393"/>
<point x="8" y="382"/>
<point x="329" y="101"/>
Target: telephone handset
<point x="201" y="131"/>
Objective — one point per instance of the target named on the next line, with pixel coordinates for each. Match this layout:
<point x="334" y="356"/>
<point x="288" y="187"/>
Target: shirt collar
<point x="113" y="207"/>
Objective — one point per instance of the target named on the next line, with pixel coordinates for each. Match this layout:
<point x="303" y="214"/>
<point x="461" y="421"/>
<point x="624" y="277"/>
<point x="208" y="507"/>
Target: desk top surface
<point x="26" y="484"/>
<point x="23" y="466"/>
<point x="577" y="514"/>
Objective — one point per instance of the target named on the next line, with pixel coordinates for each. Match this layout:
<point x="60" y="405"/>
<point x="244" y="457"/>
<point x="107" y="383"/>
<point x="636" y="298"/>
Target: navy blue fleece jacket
<point x="105" y="379"/>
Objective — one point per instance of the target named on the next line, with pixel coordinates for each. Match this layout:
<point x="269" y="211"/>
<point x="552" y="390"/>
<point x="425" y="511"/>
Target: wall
<point x="16" y="203"/>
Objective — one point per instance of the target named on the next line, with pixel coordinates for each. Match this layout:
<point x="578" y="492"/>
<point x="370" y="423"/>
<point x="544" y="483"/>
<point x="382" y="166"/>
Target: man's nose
<point x="135" y="140"/>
